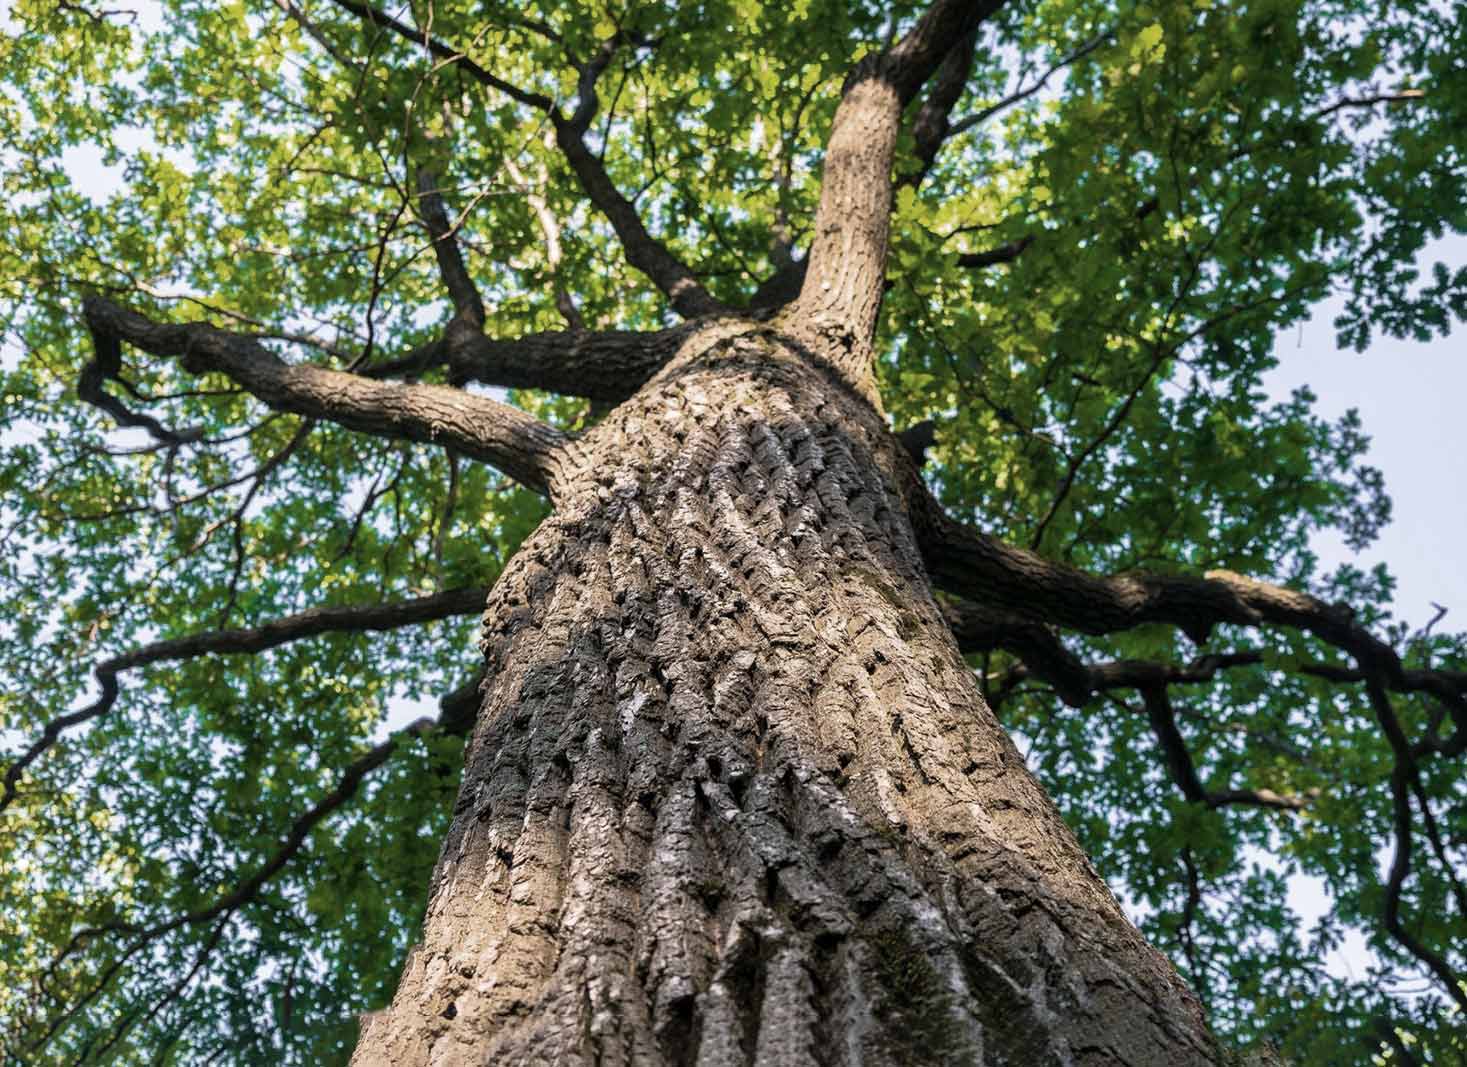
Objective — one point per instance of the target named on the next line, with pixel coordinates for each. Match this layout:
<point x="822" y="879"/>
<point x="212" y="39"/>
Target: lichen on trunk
<point x="734" y="796"/>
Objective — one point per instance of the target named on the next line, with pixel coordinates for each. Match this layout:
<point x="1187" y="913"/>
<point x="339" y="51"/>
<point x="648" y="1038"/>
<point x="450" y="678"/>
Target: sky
<point x="1410" y="397"/>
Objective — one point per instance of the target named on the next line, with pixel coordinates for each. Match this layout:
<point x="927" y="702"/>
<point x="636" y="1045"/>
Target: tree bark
<point x="734" y="797"/>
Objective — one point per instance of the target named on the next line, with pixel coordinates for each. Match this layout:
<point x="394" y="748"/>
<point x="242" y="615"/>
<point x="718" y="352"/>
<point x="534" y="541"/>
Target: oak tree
<point x="846" y="418"/>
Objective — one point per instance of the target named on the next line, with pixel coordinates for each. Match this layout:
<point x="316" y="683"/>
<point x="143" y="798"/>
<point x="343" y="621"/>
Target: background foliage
<point x="1151" y="192"/>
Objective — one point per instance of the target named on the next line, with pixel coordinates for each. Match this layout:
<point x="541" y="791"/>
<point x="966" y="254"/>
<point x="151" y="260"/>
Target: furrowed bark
<point x="506" y="438"/>
<point x="734" y="797"/>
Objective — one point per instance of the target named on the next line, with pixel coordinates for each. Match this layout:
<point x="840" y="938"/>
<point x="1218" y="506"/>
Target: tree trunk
<point x="734" y="796"/>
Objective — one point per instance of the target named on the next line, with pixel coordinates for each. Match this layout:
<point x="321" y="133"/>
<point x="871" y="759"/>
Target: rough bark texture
<point x="516" y="443"/>
<point x="733" y="796"/>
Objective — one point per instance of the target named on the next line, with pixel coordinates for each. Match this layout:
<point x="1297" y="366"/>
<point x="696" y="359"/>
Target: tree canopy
<point x="1105" y="213"/>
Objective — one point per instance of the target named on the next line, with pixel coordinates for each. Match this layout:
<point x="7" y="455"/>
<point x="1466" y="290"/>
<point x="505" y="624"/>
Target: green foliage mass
<point x="1188" y="179"/>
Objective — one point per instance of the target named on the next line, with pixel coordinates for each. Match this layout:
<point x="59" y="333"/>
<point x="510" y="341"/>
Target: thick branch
<point x="1098" y="605"/>
<point x="843" y="285"/>
<point x="1004" y="253"/>
<point x="106" y="365"/>
<point x="782" y="286"/>
<point x="969" y="563"/>
<point x="1184" y="771"/>
<point x="931" y="124"/>
<point x="506" y="438"/>
<point x="1074" y="681"/>
<point x="917" y="439"/>
<point x="607" y="366"/>
<point x="309" y="623"/>
<point x="1042" y="655"/>
<point x="459" y="710"/>
<point x="643" y="251"/>
<point x="978" y="628"/>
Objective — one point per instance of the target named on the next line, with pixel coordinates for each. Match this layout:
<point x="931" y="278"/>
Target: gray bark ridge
<point x="734" y="797"/>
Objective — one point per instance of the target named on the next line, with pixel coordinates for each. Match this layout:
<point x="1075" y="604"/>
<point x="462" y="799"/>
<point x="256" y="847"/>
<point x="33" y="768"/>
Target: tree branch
<point x="312" y="622"/>
<point x="468" y="305"/>
<point x="607" y="366"/>
<point x="1395" y="882"/>
<point x="1159" y="355"/>
<point x="459" y="710"/>
<point x="1405" y="777"/>
<point x="1184" y="771"/>
<point x="1075" y="682"/>
<point x="244" y="892"/>
<point x="377" y="17"/>
<point x="299" y="17"/>
<point x="106" y="365"/>
<point x="550" y="229"/>
<point x="1004" y="253"/>
<point x="643" y="251"/>
<point x="969" y="563"/>
<point x="982" y="566"/>
<point x="841" y="295"/>
<point x="931" y="125"/>
<point x="506" y="438"/>
<point x="1190" y="909"/>
<point x="1009" y="252"/>
<point x="782" y="286"/>
<point x="978" y="628"/>
<point x="1042" y="655"/>
<point x="1020" y="95"/>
